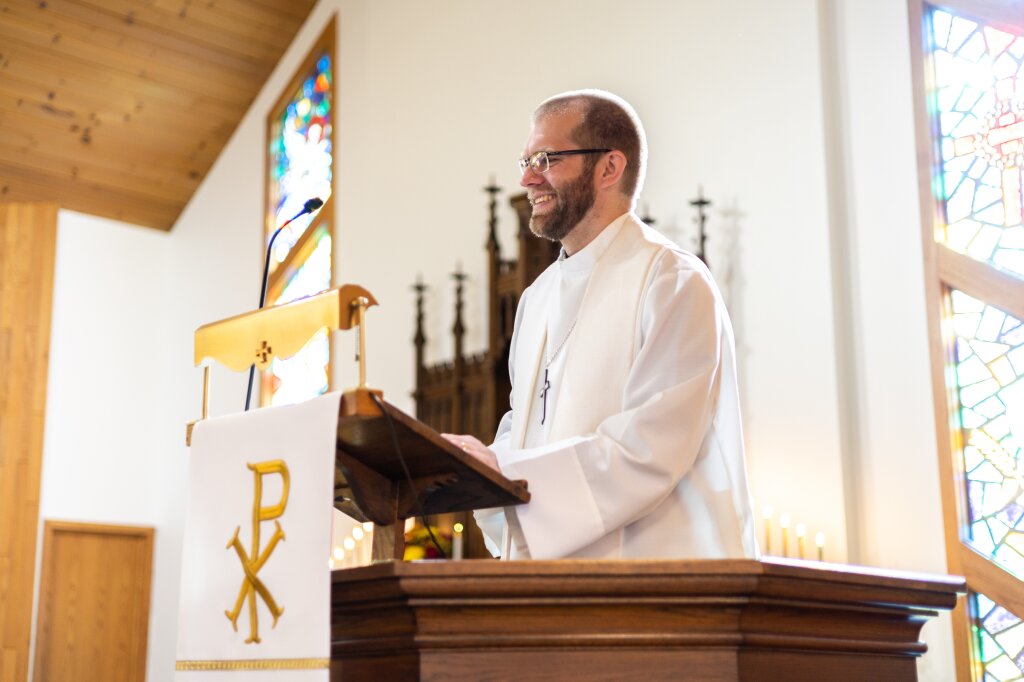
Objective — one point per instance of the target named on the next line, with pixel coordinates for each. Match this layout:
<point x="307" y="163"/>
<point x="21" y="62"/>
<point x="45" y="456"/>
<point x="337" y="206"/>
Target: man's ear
<point x="611" y="168"/>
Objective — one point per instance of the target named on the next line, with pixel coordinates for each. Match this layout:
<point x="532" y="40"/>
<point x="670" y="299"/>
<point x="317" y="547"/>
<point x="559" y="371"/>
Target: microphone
<point x="310" y="206"/>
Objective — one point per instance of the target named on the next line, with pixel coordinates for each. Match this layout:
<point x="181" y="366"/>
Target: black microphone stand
<point x="310" y="206"/>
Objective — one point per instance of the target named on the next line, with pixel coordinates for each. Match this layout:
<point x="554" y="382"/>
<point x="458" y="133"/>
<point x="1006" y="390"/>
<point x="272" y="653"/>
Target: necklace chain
<point x="551" y="358"/>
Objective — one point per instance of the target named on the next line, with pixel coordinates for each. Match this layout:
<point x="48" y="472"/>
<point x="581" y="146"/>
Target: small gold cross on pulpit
<point x="263" y="353"/>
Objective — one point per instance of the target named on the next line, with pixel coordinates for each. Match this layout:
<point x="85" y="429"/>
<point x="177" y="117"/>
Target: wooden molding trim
<point x="28" y="241"/>
<point x="942" y="268"/>
<point x="298" y="254"/>
<point x="992" y="581"/>
<point x="94" y="591"/>
<point x="983" y="281"/>
<point x="1001" y="13"/>
<point x="935" y="300"/>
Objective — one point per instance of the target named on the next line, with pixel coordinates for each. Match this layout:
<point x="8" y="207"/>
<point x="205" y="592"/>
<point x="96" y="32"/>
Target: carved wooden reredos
<point x="469" y="394"/>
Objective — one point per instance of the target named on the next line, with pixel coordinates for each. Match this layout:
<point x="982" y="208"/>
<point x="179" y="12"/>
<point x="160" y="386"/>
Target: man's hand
<point x="474" y="447"/>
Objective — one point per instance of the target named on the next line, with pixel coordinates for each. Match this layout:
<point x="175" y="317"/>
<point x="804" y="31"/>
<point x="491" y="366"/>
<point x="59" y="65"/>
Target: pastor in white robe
<point x="637" y="451"/>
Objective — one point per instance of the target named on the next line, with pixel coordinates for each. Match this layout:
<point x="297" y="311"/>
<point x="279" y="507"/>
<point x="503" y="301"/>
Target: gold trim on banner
<point x="256" y="664"/>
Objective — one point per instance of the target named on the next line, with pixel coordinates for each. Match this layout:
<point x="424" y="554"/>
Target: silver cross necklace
<point x="547" y="363"/>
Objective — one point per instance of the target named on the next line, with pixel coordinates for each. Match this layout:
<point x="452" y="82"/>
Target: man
<point x="625" y="415"/>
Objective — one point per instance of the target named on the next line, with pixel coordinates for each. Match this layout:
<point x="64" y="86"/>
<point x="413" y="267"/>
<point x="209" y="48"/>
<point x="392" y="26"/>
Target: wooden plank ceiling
<point x="118" y="108"/>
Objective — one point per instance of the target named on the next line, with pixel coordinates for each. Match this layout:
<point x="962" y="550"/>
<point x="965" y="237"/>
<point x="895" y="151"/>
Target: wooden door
<point x="93" y="603"/>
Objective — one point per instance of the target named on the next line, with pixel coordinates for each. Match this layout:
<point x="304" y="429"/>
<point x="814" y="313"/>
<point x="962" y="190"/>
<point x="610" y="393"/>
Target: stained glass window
<point x="305" y="374"/>
<point x="989" y="365"/>
<point x="978" y="101"/>
<point x="300" y="163"/>
<point x="301" y="155"/>
<point x="998" y="639"/>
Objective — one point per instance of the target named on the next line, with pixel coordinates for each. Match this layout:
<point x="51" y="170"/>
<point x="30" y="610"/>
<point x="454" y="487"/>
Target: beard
<point x="572" y="203"/>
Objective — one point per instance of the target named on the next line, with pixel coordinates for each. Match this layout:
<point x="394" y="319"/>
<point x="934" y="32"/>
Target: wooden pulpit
<point x="701" y="621"/>
<point x="391" y="467"/>
<point x="572" y="620"/>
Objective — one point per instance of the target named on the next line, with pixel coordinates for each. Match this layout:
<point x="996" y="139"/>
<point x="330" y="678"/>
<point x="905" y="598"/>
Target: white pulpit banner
<point x="255" y="583"/>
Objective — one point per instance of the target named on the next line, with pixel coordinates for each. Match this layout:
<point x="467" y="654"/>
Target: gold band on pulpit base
<point x="256" y="664"/>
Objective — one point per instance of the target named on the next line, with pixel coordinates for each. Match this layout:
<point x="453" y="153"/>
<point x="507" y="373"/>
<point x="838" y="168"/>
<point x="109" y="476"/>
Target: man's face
<point x="563" y="195"/>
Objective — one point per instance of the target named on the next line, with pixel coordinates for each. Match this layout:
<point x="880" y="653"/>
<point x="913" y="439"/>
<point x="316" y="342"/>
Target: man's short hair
<point x="607" y="121"/>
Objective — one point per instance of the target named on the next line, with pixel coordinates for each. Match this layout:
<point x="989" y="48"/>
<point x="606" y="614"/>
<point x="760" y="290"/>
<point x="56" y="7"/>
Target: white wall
<point x="107" y="433"/>
<point x="434" y="98"/>
<point x="893" y="472"/>
<point x="772" y="107"/>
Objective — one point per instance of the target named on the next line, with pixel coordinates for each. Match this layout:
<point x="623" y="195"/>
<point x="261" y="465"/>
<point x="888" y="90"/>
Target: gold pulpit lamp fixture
<point x="281" y="331"/>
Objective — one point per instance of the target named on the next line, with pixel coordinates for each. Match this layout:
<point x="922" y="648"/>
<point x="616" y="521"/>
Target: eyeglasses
<point x="540" y="162"/>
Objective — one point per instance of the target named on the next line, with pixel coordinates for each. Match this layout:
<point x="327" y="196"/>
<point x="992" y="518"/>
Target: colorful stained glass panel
<point x="989" y="376"/>
<point x="978" y="103"/>
<point x="999" y="640"/>
<point x="300" y="155"/>
<point x="305" y="374"/>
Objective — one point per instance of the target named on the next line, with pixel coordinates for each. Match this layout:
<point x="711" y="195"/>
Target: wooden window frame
<point x="302" y="249"/>
<point x="945" y="269"/>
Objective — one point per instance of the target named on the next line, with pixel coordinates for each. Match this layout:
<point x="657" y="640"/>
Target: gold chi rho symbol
<point x="252" y="563"/>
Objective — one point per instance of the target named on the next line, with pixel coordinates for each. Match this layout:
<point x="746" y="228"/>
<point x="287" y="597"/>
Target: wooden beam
<point x="147" y="182"/>
<point x="17" y="184"/>
<point x="57" y="72"/>
<point x="950" y="469"/>
<point x="994" y="582"/>
<point x="67" y="24"/>
<point x="983" y="281"/>
<point x="194" y="138"/>
<point x="27" y="38"/>
<point x="175" y="20"/>
<point x="98" y="143"/>
<point x="141" y="39"/>
<point x="1008" y="14"/>
<point x="28" y="239"/>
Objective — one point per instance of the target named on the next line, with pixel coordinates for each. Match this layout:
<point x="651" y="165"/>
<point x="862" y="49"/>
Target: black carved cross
<point x="700" y="203"/>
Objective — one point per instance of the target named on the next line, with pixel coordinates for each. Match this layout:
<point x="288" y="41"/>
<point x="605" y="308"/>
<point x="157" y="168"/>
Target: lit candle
<point x="358" y="535"/>
<point x="801" y="534"/>
<point x="350" y="545"/>
<point x="766" y="514"/>
<point x="368" y="543"/>
<point x="819" y="540"/>
<point x="337" y="559"/>
<point x="457" y="549"/>
<point x="784" y="525"/>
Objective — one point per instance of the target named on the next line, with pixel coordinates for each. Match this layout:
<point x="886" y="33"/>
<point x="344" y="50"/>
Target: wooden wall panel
<point x="28" y="239"/>
<point x="93" y="603"/>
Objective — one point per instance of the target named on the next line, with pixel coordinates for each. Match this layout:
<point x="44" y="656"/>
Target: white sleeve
<point x="587" y="486"/>
<point x="492" y="521"/>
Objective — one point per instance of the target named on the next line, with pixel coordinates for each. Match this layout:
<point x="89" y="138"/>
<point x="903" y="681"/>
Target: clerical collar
<point x="585" y="258"/>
